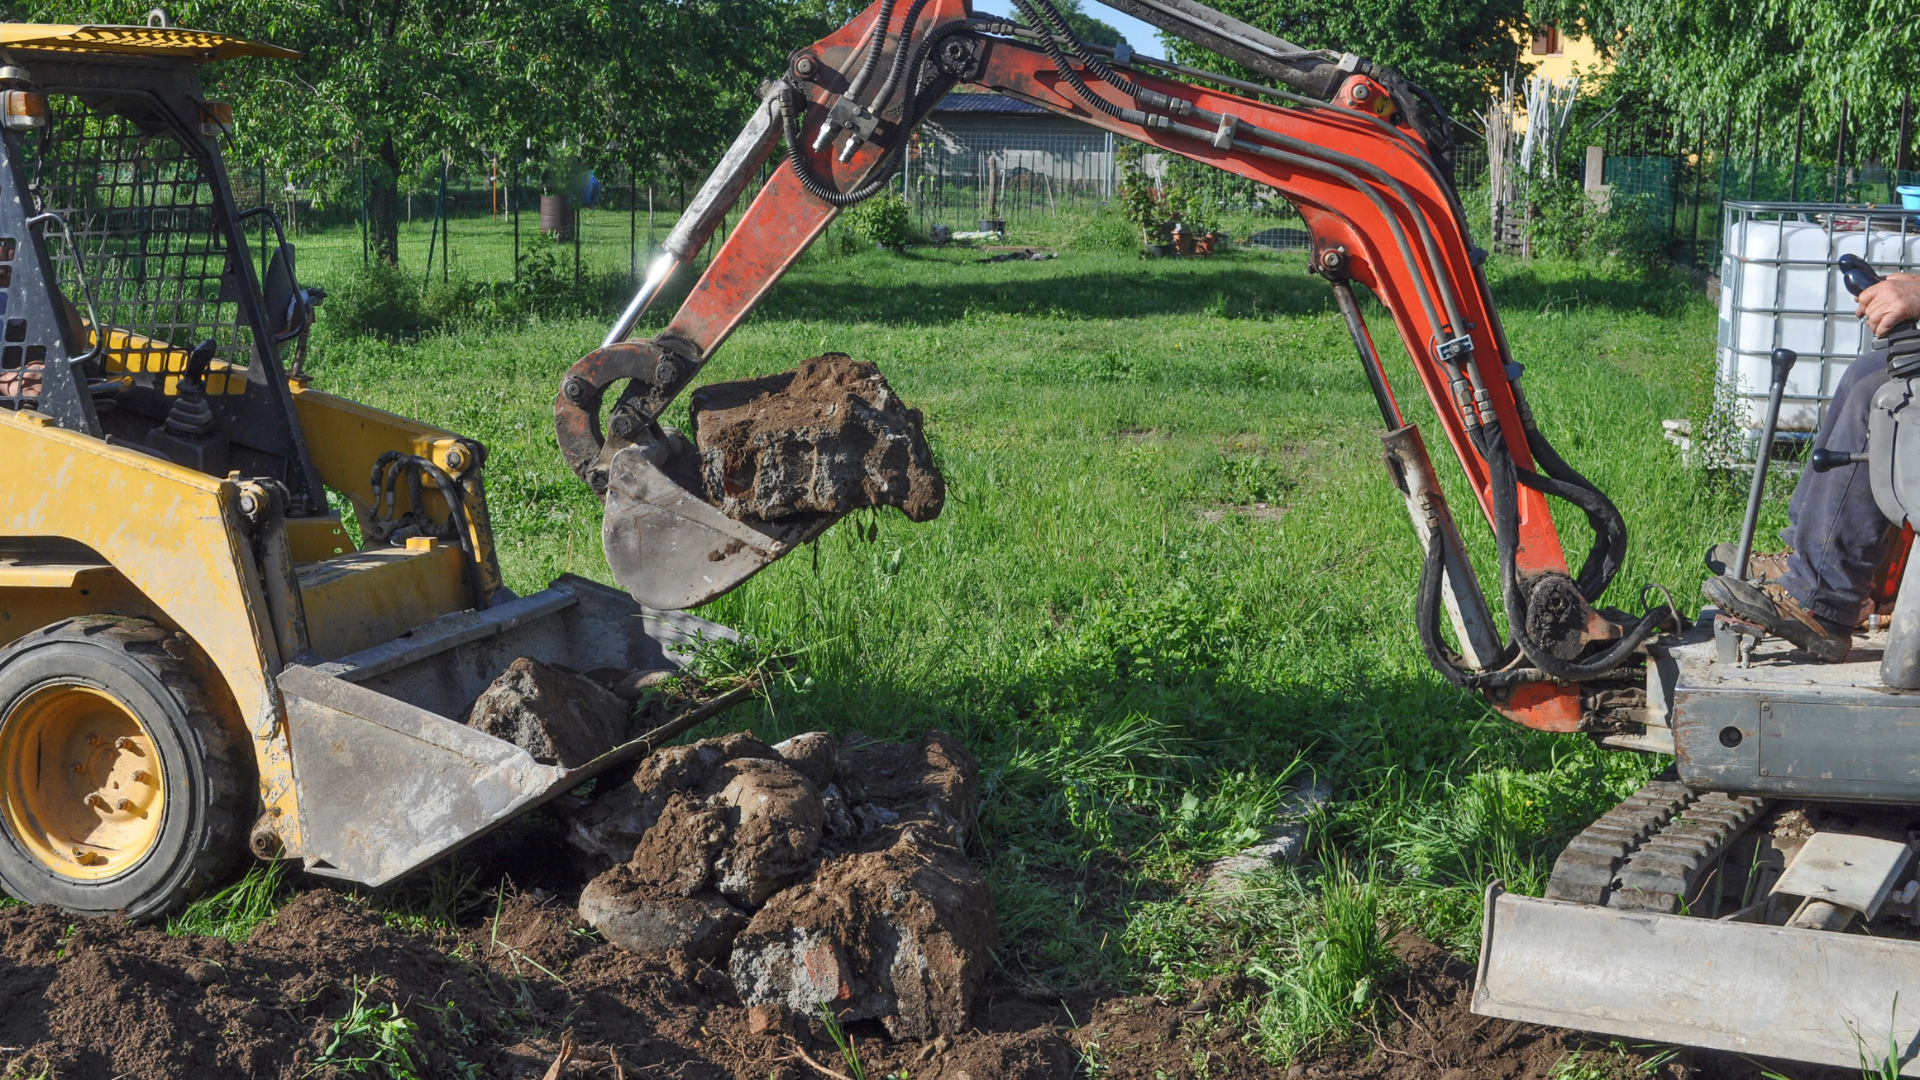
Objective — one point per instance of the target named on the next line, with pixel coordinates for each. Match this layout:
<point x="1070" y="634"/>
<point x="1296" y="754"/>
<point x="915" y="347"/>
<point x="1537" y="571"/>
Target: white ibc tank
<point x="1779" y="287"/>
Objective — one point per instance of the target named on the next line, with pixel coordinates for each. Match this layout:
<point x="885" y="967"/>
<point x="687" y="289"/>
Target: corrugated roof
<point x="986" y="103"/>
<point x="201" y="46"/>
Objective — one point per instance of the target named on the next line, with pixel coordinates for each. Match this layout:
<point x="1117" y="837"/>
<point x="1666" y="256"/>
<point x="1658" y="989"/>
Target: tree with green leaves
<point x="1086" y="27"/>
<point x="1714" y="57"/>
<point x="1457" y="49"/>
<point x="403" y="85"/>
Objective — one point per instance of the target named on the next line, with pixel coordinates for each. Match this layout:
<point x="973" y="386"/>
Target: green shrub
<point x="882" y="220"/>
<point x="387" y="302"/>
<point x="1566" y="223"/>
<point x="375" y="300"/>
<point x="1107" y="230"/>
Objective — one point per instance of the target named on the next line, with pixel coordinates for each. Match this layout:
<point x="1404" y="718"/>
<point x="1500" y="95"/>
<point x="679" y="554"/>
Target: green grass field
<point x="1172" y="579"/>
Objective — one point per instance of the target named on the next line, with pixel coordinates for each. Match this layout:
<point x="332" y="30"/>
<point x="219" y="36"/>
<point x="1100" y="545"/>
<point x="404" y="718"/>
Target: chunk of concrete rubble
<point x="558" y="716"/>
<point x="933" y="783"/>
<point x="812" y="754"/>
<point x="1285" y="844"/>
<point x="656" y="923"/>
<point x="677" y="853"/>
<point x="864" y="896"/>
<point x="777" y="826"/>
<point x="609" y="829"/>
<point x="827" y="437"/>
<point x="903" y="935"/>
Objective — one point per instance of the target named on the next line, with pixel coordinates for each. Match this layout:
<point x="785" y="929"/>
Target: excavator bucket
<point x="1769" y="991"/>
<point x="674" y="550"/>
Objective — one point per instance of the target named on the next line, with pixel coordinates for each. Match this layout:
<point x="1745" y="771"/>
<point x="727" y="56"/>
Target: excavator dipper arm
<point x="1381" y="211"/>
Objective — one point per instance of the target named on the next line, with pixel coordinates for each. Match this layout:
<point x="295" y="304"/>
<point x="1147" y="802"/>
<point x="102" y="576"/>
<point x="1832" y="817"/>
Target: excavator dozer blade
<point x="672" y="549"/>
<point x="1769" y="991"/>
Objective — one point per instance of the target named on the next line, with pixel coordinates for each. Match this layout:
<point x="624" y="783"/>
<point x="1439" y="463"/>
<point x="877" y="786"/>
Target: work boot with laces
<point x="1762" y="567"/>
<point x="1771" y="607"/>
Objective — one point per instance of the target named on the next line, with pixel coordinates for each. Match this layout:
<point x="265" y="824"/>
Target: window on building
<point x="1546" y="41"/>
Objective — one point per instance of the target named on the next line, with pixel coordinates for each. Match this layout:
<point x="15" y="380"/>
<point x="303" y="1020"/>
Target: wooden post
<point x="446" y="224"/>
<point x="1902" y="152"/>
<point x="1799" y="129"/>
<point x="1699" y="170"/>
<point x="366" y="240"/>
<point x="1840" y="154"/>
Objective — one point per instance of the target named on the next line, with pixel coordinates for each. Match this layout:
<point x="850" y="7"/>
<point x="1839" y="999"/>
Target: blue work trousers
<point x="1836" y="530"/>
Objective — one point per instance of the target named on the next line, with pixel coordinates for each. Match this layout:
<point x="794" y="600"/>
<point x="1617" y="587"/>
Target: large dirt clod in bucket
<point x="829" y="436"/>
<point x="559" y="717"/>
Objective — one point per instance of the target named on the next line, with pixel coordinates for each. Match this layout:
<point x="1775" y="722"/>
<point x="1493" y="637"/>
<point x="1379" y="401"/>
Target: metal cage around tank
<point x="1779" y="287"/>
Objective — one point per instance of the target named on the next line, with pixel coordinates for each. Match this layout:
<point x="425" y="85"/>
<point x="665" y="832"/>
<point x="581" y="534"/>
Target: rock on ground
<point x="559" y="717"/>
<point x="904" y="935"/>
<point x="609" y="829"/>
<point x="1285" y="844"/>
<point x="934" y="781"/>
<point x="827" y="437"/>
<point x="656" y="923"/>
<point x="812" y="754"/>
<point x="778" y="822"/>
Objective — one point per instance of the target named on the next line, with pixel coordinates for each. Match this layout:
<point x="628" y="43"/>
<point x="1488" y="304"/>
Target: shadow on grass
<point x="1099" y="791"/>
<point x="872" y="289"/>
<point x="1569" y="287"/>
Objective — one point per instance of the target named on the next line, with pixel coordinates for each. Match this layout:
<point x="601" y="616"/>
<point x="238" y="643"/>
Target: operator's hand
<point x="1895" y="300"/>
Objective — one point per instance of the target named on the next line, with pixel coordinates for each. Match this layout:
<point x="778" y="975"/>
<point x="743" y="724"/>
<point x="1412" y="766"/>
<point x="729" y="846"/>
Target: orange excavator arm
<point x="1360" y="165"/>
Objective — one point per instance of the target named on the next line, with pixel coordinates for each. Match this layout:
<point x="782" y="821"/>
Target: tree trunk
<point x="383" y="203"/>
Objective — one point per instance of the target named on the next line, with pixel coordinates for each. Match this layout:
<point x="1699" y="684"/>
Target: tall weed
<point x="234" y="911"/>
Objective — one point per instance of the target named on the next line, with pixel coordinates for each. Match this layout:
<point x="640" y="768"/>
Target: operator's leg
<point x="1836" y="530"/>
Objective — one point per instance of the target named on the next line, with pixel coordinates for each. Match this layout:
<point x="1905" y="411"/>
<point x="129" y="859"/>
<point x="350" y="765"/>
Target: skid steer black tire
<point x="52" y="682"/>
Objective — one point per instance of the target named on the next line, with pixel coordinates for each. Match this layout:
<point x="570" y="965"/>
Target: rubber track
<point x="1650" y="852"/>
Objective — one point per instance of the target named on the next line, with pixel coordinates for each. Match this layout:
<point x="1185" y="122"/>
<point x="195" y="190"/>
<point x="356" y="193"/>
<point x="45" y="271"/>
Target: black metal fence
<point x="1679" y="169"/>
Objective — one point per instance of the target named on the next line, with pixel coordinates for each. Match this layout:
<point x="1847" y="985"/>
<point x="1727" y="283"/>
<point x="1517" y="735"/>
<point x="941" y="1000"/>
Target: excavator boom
<point x="1672" y="917"/>
<point x="1362" y="170"/>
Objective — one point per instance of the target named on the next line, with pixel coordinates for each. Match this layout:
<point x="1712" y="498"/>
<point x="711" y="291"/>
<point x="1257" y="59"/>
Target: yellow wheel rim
<point x="82" y="789"/>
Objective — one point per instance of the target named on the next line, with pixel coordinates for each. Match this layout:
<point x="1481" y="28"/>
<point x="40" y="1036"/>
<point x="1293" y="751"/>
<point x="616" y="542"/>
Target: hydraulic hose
<point x="1427" y="619"/>
<point x="1080" y="49"/>
<point x="1602" y="560"/>
<point x="1503" y="484"/>
<point x="876" y="44"/>
<point x="795" y="107"/>
<point x="1609" y="550"/>
<point x="1448" y="300"/>
<point x="899" y="64"/>
<point x="1052" y="48"/>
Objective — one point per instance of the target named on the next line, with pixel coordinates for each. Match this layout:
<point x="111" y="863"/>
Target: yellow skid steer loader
<point x="195" y="660"/>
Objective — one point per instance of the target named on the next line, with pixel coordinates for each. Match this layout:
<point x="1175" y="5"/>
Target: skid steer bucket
<point x="1771" y="991"/>
<point x="389" y="777"/>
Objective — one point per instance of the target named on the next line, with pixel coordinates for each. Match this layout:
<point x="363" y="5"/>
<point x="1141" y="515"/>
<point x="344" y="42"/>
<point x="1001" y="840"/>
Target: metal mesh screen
<point x="140" y="211"/>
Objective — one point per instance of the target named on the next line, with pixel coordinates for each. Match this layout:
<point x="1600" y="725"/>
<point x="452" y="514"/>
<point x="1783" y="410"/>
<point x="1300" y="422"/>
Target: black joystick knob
<point x="192" y="415"/>
<point x="1825" y="460"/>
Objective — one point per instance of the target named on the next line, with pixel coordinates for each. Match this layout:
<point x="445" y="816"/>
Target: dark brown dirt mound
<point x="827" y="437"/>
<point x="95" y="999"/>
